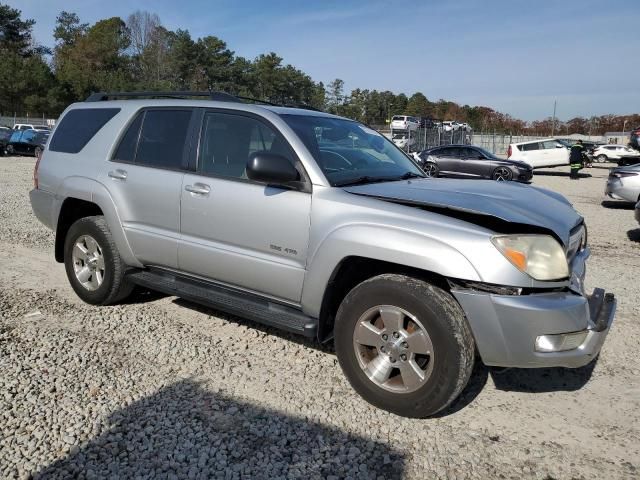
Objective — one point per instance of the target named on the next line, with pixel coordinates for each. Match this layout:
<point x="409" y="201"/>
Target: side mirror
<point x="271" y="169"/>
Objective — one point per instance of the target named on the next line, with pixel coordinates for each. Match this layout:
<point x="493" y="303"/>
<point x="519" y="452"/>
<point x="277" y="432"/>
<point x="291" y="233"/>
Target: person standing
<point x="575" y="159"/>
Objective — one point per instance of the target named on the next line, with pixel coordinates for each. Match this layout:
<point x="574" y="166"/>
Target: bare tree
<point x="143" y="27"/>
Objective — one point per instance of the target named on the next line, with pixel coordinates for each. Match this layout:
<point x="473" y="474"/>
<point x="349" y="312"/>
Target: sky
<point x="515" y="56"/>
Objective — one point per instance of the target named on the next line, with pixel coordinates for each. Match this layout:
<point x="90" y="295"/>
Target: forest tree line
<point x="139" y="53"/>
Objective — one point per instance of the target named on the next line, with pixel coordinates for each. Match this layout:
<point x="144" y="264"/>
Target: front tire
<point x="404" y="345"/>
<point x="601" y="158"/>
<point x="431" y="169"/>
<point x="502" y="174"/>
<point x="92" y="262"/>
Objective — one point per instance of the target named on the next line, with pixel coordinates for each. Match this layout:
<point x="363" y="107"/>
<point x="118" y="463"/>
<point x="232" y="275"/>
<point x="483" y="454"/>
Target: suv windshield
<point x="349" y="152"/>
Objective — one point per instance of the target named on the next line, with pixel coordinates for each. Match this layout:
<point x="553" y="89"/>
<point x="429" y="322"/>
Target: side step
<point x="242" y="304"/>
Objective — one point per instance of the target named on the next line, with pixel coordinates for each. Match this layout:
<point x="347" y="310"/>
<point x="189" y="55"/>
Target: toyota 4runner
<point x="318" y="225"/>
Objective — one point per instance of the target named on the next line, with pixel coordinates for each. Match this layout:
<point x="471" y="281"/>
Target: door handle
<point x="118" y="174"/>
<point x="198" y="189"/>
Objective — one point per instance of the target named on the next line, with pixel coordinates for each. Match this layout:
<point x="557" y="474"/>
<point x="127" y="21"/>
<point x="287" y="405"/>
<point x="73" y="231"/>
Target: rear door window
<point x="126" y="151"/>
<point x="78" y="127"/>
<point x="163" y="138"/>
<point x="527" y="147"/>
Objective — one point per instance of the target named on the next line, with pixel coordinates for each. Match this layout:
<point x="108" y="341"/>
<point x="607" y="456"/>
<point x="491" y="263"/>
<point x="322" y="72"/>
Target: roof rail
<point x="218" y="96"/>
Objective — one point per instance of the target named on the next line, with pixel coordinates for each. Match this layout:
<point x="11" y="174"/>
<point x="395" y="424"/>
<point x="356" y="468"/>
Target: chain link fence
<point x="11" y="120"/>
<point x="424" y="138"/>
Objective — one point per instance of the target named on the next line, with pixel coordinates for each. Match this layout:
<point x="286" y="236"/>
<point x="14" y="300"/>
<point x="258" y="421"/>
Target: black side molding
<point x="242" y="304"/>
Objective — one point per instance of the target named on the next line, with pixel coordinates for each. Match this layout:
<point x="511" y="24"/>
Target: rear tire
<point x="404" y="345"/>
<point x="92" y="262"/>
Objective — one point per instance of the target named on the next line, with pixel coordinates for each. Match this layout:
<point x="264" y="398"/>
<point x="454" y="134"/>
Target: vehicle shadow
<point x="541" y="380"/>
<point x="186" y="431"/>
<point x="292" y="337"/>
<point x="618" y="204"/>
<point x="634" y="235"/>
<point x="143" y="295"/>
<point x="549" y="173"/>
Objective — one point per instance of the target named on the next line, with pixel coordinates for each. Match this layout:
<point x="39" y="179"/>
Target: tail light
<point x="35" y="170"/>
<point x="509" y="151"/>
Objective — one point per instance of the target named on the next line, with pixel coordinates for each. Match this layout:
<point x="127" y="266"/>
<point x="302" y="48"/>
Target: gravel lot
<point x="162" y="388"/>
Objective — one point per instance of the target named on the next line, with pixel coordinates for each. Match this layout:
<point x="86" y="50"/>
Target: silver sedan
<point x="624" y="183"/>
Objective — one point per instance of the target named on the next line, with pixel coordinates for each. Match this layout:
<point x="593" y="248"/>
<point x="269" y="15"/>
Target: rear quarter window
<point x="78" y="127"/>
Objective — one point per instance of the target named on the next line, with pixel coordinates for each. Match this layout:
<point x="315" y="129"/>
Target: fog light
<point x="561" y="342"/>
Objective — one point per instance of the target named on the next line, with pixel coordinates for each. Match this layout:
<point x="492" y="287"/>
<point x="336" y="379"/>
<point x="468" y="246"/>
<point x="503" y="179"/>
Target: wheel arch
<point x="84" y="197"/>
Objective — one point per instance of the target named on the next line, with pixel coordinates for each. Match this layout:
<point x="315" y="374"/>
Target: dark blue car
<point x="26" y="142"/>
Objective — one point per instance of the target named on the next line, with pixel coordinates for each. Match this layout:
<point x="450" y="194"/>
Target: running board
<point x="242" y="304"/>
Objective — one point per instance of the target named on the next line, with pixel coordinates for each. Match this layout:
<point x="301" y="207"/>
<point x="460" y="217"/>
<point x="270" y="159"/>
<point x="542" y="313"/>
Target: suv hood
<point x="508" y="201"/>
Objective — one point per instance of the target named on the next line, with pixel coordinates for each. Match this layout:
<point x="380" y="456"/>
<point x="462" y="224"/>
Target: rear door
<point x="531" y="153"/>
<point x="449" y="161"/>
<point x="234" y="230"/>
<point x="144" y="178"/>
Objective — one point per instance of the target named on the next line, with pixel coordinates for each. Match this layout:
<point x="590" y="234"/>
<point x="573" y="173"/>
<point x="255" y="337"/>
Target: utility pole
<point x="553" y="122"/>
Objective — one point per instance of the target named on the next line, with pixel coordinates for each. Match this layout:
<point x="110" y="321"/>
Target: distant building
<point x="620" y="138"/>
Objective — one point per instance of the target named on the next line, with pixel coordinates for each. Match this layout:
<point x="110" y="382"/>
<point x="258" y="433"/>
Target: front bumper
<point x="505" y="327"/>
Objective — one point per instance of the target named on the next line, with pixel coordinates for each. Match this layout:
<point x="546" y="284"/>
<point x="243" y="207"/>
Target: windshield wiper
<point x="361" y="181"/>
<point x="367" y="179"/>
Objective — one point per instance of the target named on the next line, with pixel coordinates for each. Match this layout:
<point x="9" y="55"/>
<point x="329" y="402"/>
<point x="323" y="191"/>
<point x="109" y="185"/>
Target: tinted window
<point x="162" y="138"/>
<point x="78" y="127"/>
<point x="529" y="146"/>
<point x="28" y="136"/>
<point x="229" y="140"/>
<point x="451" y="152"/>
<point x="470" y="153"/>
<point x="15" y="136"/>
<point x="550" y="144"/>
<point x="126" y="151"/>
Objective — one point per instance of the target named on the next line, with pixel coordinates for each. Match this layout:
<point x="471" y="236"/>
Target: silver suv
<point x="318" y="225"/>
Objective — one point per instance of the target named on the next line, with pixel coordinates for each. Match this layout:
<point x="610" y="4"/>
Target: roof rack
<point x="217" y="96"/>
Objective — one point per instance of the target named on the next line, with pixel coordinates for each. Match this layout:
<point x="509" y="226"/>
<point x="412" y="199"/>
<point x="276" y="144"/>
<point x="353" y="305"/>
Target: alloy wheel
<point x="502" y="174"/>
<point x="430" y="169"/>
<point x="88" y="262"/>
<point x="393" y="349"/>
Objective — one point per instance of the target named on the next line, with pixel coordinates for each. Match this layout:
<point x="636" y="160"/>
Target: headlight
<point x="539" y="256"/>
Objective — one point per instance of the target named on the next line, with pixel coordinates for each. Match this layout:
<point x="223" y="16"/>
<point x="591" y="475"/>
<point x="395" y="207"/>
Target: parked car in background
<point x="468" y="161"/>
<point x="30" y="126"/>
<point x="5" y="135"/>
<point x="26" y="142"/>
<point x="450" y="126"/>
<point x="634" y="139"/>
<point x="624" y="183"/>
<point x="404" y="122"/>
<point x="616" y="153"/>
<point x="539" y="153"/>
<point x="465" y="127"/>
<point x="403" y="140"/>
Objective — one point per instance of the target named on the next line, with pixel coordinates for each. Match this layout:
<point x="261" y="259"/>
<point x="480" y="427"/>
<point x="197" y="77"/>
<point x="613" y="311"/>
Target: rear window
<point x="78" y="127"/>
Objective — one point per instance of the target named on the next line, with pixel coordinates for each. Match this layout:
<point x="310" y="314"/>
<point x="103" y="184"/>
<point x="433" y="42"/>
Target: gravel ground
<point x="162" y="388"/>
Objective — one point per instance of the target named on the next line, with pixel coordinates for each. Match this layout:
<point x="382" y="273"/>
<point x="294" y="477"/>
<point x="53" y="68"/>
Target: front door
<point x="144" y="178"/>
<point x="236" y="231"/>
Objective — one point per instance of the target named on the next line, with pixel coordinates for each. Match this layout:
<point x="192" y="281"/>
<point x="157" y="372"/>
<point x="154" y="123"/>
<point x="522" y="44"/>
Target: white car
<point x="402" y="140"/>
<point x="29" y="126"/>
<point x="618" y="153"/>
<point x="539" y="153"/>
<point x="404" y="123"/>
<point x="450" y="126"/>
